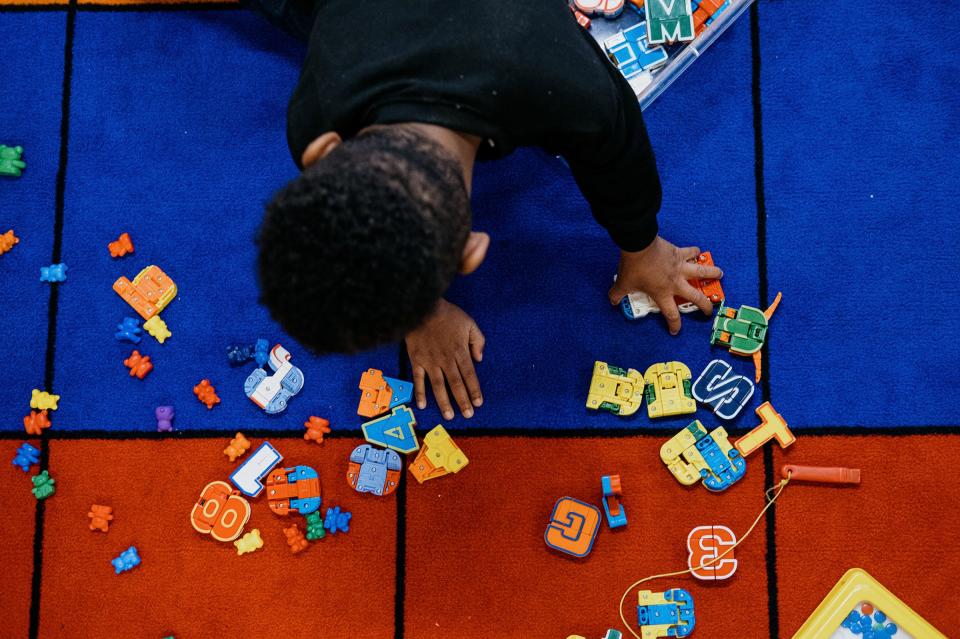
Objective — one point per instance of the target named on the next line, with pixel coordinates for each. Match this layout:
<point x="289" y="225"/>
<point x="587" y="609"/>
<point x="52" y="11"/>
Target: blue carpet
<point x="180" y="141"/>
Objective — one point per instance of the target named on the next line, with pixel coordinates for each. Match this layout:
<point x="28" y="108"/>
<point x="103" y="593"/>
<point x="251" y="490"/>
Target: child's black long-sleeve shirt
<point x="514" y="73"/>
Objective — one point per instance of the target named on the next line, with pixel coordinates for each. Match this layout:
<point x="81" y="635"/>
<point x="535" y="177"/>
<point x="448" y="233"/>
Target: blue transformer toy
<point x="271" y="393"/>
<point x="665" y="614"/>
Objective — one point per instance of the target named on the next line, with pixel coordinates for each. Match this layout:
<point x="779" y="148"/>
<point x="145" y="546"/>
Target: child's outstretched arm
<point x="444" y="349"/>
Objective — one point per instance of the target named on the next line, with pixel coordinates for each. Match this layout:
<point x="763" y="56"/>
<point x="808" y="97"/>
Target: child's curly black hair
<point x="358" y="249"/>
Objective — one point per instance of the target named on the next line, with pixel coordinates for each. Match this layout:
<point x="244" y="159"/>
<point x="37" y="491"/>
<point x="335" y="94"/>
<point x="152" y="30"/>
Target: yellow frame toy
<point x="855" y="587"/>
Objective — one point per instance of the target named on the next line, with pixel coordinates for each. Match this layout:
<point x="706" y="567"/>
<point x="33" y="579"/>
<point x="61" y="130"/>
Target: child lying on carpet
<point x="395" y="102"/>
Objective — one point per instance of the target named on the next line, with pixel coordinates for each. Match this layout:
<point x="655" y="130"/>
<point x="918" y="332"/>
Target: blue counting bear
<point x="238" y="354"/>
<point x="128" y="330"/>
<point x="128" y="560"/>
<point x="26" y="456"/>
<point x="261" y="352"/>
<point x="53" y="273"/>
<point x="336" y="520"/>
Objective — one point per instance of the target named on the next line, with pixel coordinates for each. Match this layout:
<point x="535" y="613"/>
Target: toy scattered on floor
<point x="667" y="390"/>
<point x="7" y="240"/>
<point x="149" y="293"/>
<point x="239" y="354"/>
<point x="128" y="560"/>
<point x="315" y="526"/>
<point x="573" y="527"/>
<point x="772" y="426"/>
<point x="821" y="474"/>
<point x="722" y="390"/>
<point x="206" y="393"/>
<point x="609" y="9"/>
<point x="639" y="304"/>
<point x="710" y="552"/>
<point x="316" y="427"/>
<point x="247" y="476"/>
<point x="692" y="455"/>
<point x="164" y="416"/>
<point x="42" y="400"/>
<point x="337" y="520"/>
<point x="36" y="422"/>
<point x="859" y="605"/>
<point x="53" y="273"/>
<point x="249" y="542"/>
<point x="295" y="539"/>
<point x="26" y="457"/>
<point x="11" y="162"/>
<point x="582" y="20"/>
<point x="615" y="389"/>
<point x="261" y="352"/>
<point x="610" y="634"/>
<point x="122" y="246"/>
<point x="375" y="394"/>
<point x="100" y="517"/>
<point x="293" y="489"/>
<point x="157" y="329"/>
<point x="665" y="614"/>
<point x="634" y="58"/>
<point x="393" y="431"/>
<point x="744" y="331"/>
<point x="705" y="12"/>
<point x="612" y="508"/>
<point x="139" y="365"/>
<point x="220" y="512"/>
<point x="669" y="21"/>
<point x="272" y="393"/>
<point x="43" y="485"/>
<point x="128" y="330"/>
<point x="372" y="470"/>
<point x="237" y="447"/>
<point x="438" y="456"/>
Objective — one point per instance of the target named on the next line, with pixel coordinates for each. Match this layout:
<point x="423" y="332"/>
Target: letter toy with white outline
<point x="743" y="331"/>
<point x="705" y="545"/>
<point x="722" y="390"/>
<point x="772" y="426"/>
<point x="669" y="21"/>
<point x="247" y="476"/>
<point x="573" y="527"/>
<point x="609" y="9"/>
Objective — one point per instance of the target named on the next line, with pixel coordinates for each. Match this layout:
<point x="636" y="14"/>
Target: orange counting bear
<point x="122" y="246"/>
<point x="100" y="517"/>
<point x="295" y="539"/>
<point x="35" y="422"/>
<point x="316" y="427"/>
<point x="139" y="365"/>
<point x="237" y="447"/>
<point x="7" y="240"/>
<point x="206" y="393"/>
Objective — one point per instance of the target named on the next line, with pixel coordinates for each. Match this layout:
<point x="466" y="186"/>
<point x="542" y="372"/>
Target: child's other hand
<point x="661" y="271"/>
<point x="444" y="348"/>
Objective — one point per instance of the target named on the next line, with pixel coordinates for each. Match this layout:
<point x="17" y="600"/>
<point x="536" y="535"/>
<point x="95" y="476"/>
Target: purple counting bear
<point x="164" y="417"/>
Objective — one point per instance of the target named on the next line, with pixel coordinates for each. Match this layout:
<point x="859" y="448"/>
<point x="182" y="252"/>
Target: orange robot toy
<point x="149" y="292"/>
<point x="296" y="489"/>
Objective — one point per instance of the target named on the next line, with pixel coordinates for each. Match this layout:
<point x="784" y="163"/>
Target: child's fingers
<point x="440" y="393"/>
<point x="470" y="379"/>
<point x="419" y="389"/>
<point x="691" y="294"/>
<point x="459" y="389"/>
<point x="696" y="271"/>
<point x="668" y="306"/>
<point x="689" y="253"/>
<point x="477" y="342"/>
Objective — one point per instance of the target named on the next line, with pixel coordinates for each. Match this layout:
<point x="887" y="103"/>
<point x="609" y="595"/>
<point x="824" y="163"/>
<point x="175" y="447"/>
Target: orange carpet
<point x="472" y="558"/>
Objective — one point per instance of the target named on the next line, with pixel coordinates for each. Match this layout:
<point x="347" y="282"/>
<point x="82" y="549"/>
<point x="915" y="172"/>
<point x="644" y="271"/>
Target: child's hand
<point x="661" y="271"/>
<point x="444" y="347"/>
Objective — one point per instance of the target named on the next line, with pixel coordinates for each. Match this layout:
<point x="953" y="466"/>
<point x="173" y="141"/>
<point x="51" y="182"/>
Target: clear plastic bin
<point x="649" y="84"/>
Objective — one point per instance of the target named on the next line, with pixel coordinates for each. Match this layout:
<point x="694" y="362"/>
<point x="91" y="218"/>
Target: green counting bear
<point x="10" y="162"/>
<point x="315" y="526"/>
<point x="42" y="485"/>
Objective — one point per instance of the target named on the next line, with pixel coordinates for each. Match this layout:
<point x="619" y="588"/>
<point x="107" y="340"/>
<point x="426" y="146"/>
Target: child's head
<point x="359" y="248"/>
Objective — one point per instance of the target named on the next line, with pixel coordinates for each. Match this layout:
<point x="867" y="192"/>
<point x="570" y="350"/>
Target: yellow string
<point x="779" y="488"/>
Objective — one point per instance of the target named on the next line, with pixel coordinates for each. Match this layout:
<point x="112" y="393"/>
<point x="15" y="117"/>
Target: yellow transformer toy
<point x="615" y="389"/>
<point x="692" y="455"/>
<point x="668" y="390"/>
